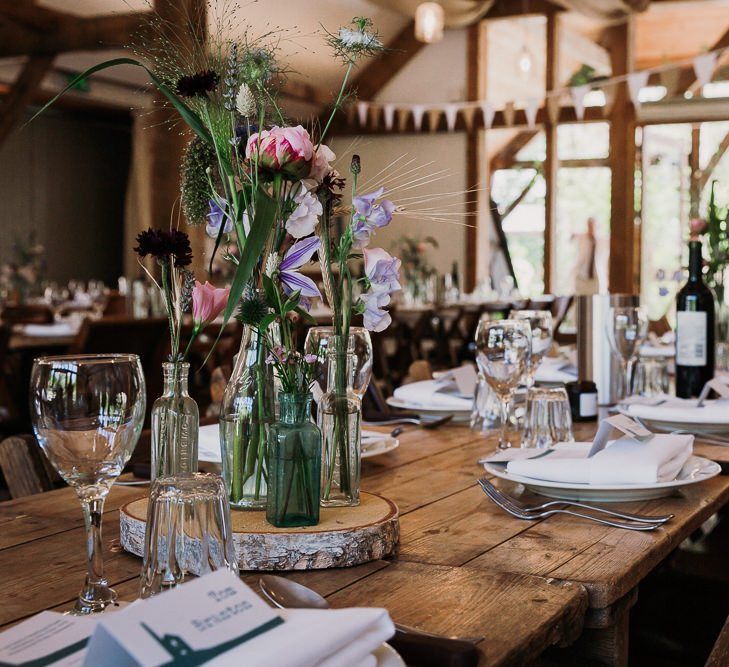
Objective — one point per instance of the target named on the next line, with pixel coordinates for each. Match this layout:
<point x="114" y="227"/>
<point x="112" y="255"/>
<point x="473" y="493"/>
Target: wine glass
<point x="627" y="328"/>
<point x="542" y="331"/>
<point x="503" y="349"/>
<point x="87" y="414"/>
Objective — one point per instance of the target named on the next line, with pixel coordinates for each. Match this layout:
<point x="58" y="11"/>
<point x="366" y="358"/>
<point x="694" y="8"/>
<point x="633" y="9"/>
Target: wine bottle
<point x="694" y="330"/>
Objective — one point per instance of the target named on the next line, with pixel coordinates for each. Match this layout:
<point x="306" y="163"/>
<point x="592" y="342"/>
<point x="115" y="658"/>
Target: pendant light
<point x="429" y="22"/>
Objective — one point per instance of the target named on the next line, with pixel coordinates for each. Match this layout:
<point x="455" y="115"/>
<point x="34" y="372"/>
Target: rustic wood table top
<point x="464" y="568"/>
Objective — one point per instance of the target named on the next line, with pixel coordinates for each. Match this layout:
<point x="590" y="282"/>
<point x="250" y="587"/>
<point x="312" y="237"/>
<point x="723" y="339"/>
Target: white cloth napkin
<point x="623" y="461"/>
<point x="317" y="638"/>
<point x="432" y="395"/>
<point x="208" y="443"/>
<point x="57" y="329"/>
<point x="555" y="369"/>
<point x="682" y="410"/>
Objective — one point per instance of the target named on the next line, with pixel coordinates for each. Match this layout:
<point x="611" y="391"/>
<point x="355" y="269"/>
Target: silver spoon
<point x="288" y="594"/>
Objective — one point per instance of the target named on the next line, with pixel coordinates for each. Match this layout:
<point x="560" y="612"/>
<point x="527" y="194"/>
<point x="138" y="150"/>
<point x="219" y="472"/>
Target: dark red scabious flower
<point x="197" y="85"/>
<point x="162" y="244"/>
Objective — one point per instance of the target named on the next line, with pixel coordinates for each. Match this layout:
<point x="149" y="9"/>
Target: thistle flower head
<point x="253" y="308"/>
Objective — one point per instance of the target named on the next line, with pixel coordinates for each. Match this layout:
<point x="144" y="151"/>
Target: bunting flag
<point x="488" y="111"/>
<point x="609" y="91"/>
<point x="402" y="119"/>
<point x="530" y="111"/>
<point x="418" y="111"/>
<point x="433" y="119"/>
<point x="704" y="66"/>
<point x="553" y="108"/>
<point x="578" y="99"/>
<point x="636" y="81"/>
<point x="509" y="113"/>
<point x="451" y="114"/>
<point x="468" y="114"/>
<point x="388" y="112"/>
<point x="362" y="110"/>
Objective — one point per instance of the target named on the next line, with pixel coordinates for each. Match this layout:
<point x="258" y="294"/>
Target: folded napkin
<point x="317" y="638"/>
<point x="432" y="395"/>
<point x="658" y="351"/>
<point x="681" y="410"/>
<point x="555" y="369"/>
<point x="623" y="461"/>
<point x="57" y="329"/>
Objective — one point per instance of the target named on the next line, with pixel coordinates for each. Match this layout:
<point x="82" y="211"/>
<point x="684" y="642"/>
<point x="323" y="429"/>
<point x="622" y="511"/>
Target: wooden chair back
<point x="27" y="314"/>
<point x="25" y="467"/>
<point x="719" y="656"/>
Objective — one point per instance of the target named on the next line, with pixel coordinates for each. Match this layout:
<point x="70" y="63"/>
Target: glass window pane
<point x="583" y="141"/>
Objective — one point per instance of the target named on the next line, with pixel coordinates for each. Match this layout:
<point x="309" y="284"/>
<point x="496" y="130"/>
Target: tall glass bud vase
<point x="294" y="464"/>
<point x="340" y="417"/>
<point x="175" y="424"/>
<point x="246" y="413"/>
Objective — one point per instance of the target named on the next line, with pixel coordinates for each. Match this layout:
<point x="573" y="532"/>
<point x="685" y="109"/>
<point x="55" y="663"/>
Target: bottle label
<point x="588" y="405"/>
<point x="691" y="338"/>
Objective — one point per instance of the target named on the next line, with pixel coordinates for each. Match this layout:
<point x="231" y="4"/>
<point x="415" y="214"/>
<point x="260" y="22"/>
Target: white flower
<point x="271" y="264"/>
<point x="305" y="216"/>
<point x="245" y="102"/>
<point x="350" y="38"/>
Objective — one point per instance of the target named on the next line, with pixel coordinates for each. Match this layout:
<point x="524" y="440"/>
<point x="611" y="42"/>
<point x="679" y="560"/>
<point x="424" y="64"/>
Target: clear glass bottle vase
<point x="294" y="464"/>
<point x="340" y="418"/>
<point x="175" y="424"/>
<point x="246" y="413"/>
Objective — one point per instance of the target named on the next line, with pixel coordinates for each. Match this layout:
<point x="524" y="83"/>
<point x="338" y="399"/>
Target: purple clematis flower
<point x="216" y="217"/>
<point x="291" y="279"/>
<point x="369" y="216"/>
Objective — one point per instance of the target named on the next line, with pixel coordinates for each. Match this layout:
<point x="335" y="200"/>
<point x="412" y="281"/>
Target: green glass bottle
<point x="293" y="462"/>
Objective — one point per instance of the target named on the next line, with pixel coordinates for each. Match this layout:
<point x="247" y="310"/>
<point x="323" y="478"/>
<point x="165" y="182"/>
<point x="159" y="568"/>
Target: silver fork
<point x="529" y="516"/>
<point x="572" y="503"/>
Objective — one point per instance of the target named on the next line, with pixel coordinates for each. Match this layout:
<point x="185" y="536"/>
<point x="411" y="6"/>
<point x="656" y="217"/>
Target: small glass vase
<point x="175" y="424"/>
<point x="340" y="418"/>
<point x="246" y="413"/>
<point x="294" y="464"/>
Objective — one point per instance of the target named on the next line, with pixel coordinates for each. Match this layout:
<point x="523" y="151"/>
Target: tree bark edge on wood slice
<point x="346" y="536"/>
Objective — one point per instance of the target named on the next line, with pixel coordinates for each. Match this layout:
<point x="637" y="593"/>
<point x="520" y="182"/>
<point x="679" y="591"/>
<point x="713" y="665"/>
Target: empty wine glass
<point x="502" y="354"/>
<point x="87" y="414"/>
<point x="542" y="330"/>
<point x="627" y="328"/>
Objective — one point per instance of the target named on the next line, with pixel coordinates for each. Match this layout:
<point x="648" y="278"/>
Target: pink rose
<point x="288" y="150"/>
<point x="697" y="226"/>
<point x="208" y="302"/>
<point x="320" y="166"/>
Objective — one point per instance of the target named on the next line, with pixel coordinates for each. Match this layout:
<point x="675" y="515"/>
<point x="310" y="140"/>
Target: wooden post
<point x="473" y="167"/>
<point x="695" y="172"/>
<point x="551" y="161"/>
<point x="624" y="271"/>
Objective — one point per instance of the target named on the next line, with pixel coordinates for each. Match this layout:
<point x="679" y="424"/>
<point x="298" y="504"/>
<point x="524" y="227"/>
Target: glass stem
<point x="628" y="369"/>
<point x="505" y="411"/>
<point x="93" y="510"/>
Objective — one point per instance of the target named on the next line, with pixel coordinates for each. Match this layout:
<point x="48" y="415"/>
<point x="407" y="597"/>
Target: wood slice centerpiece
<point x="345" y="536"/>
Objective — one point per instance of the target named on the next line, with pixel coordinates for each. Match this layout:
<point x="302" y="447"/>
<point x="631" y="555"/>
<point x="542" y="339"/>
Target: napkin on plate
<point x="555" y="369"/>
<point x="432" y="395"/>
<point x="681" y="410"/>
<point x="623" y="461"/>
<point x="60" y="329"/>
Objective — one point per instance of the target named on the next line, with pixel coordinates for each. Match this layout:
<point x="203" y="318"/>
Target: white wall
<point x="437" y="73"/>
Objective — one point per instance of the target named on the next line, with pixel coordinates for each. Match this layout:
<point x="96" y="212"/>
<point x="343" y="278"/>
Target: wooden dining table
<point x="464" y="567"/>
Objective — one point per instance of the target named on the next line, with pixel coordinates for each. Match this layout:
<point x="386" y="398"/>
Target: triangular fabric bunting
<point x="509" y="113"/>
<point x="704" y="66"/>
<point x="362" y="108"/>
<point x="553" y="107"/>
<point x="418" y="111"/>
<point x="402" y="119"/>
<point x="488" y="111"/>
<point x="636" y="81"/>
<point x="351" y="113"/>
<point x="578" y="99"/>
<point x="468" y="114"/>
<point x="609" y="92"/>
<point x="388" y="112"/>
<point x="374" y="115"/>
<point x="433" y="118"/>
<point x="451" y="113"/>
<point x="530" y="111"/>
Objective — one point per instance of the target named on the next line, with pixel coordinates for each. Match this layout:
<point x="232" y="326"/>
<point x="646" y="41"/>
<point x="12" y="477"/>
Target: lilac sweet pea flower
<point x="382" y="270"/>
<point x="215" y="218"/>
<point x="291" y="279"/>
<point x="375" y="318"/>
<point x="369" y="216"/>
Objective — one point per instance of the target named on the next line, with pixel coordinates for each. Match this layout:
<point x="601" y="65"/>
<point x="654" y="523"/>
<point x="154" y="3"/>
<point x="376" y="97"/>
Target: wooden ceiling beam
<point x="508" y="9"/>
<point x="506" y="157"/>
<point x="70" y="34"/>
<point x="22" y="93"/>
<point x="30" y="15"/>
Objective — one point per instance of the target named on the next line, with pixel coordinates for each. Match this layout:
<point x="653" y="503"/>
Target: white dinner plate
<point x="696" y="469"/>
<point x="434" y="413"/>
<point x="378" y="446"/>
<point x="388" y="657"/>
<point x="666" y="426"/>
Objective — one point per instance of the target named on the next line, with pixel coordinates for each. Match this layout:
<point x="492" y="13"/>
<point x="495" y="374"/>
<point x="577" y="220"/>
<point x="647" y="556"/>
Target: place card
<point x="623" y="423"/>
<point x="191" y="625"/>
<point x="466" y="379"/>
<point x="49" y="638"/>
<point x="718" y="385"/>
